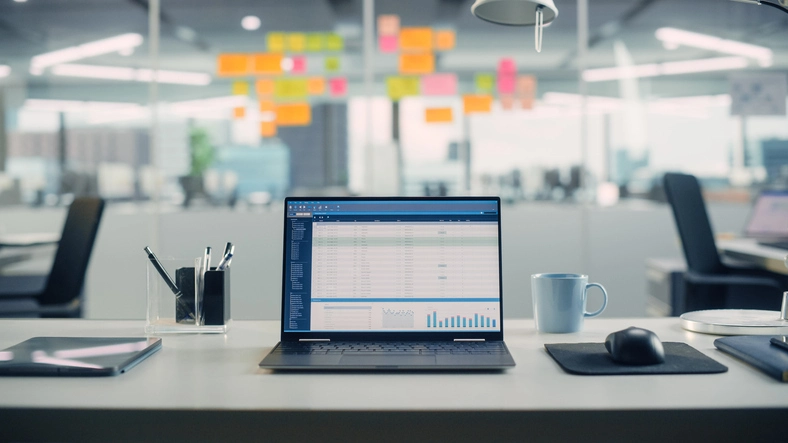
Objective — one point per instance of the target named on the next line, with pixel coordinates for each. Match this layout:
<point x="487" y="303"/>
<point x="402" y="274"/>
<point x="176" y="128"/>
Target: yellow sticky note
<point x="296" y="42"/>
<point x="268" y="129"/>
<point x="476" y="103"/>
<point x="264" y="87"/>
<point x="485" y="82"/>
<point x="239" y="113"/>
<point x="240" y="88"/>
<point x="438" y="115"/>
<point x="334" y="42"/>
<point x="445" y="40"/>
<point x="290" y="88"/>
<point x="276" y="41"/>
<point x="398" y="87"/>
<point x="332" y="64"/>
<point x="316" y="85"/>
<point x="267" y="64"/>
<point x="416" y="63"/>
<point x="295" y="114"/>
<point x="228" y="65"/>
<point x="315" y="42"/>
<point x="415" y="39"/>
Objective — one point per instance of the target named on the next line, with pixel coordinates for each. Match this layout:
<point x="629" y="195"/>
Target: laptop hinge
<point x="468" y="339"/>
<point x="314" y="339"/>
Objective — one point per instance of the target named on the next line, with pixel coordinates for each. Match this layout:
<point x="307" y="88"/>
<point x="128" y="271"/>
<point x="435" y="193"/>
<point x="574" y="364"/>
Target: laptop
<point x="76" y="356"/>
<point x="395" y="283"/>
<point x="768" y="222"/>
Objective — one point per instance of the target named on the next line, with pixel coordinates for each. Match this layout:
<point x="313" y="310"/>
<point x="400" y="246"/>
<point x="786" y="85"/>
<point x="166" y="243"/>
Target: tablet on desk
<point x="76" y="356"/>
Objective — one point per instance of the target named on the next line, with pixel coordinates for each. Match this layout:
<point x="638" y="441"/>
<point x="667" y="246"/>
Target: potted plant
<point x="202" y="154"/>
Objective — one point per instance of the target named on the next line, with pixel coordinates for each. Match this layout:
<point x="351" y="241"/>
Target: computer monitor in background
<point x="769" y="216"/>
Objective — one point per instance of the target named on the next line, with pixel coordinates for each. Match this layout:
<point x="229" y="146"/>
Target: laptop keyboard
<point x="404" y="348"/>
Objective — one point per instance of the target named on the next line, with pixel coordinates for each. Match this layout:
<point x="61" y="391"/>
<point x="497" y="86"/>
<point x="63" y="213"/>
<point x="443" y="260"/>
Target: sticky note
<point x="332" y="64"/>
<point x="439" y="84"/>
<point x="398" y="87"/>
<point x="268" y="129"/>
<point x="338" y="86"/>
<point x="267" y="64"/>
<point x="239" y="113"/>
<point x="416" y="63"/>
<point x="228" y="65"/>
<point x="506" y="83"/>
<point x="438" y="115"/>
<point x="299" y="64"/>
<point x="507" y="66"/>
<point x="388" y="24"/>
<point x="476" y="103"/>
<point x="316" y="85"/>
<point x="388" y="43"/>
<point x="264" y="87"/>
<point x="295" y="114"/>
<point x="415" y="39"/>
<point x="526" y="91"/>
<point x="296" y="42"/>
<point x="240" y="88"/>
<point x="445" y="40"/>
<point x="507" y="101"/>
<point x="275" y="41"/>
<point x="290" y="88"/>
<point x="315" y="42"/>
<point x="334" y="42"/>
<point x="267" y="106"/>
<point x="485" y="83"/>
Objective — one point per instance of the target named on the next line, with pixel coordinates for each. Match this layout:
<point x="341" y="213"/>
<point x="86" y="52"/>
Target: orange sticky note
<point x="388" y="24"/>
<point x="264" y="87"/>
<point x="267" y="129"/>
<point x="316" y="85"/>
<point x="267" y="110"/>
<point x="295" y="114"/>
<point x="415" y="39"/>
<point x="476" y="103"/>
<point x="228" y="65"/>
<point x="438" y="115"/>
<point x="267" y="64"/>
<point x="417" y="63"/>
<point x="239" y="113"/>
<point x="445" y="40"/>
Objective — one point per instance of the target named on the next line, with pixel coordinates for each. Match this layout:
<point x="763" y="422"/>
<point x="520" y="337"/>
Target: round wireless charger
<point x="735" y="322"/>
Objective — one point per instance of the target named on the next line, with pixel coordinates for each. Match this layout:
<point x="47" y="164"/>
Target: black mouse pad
<point x="593" y="359"/>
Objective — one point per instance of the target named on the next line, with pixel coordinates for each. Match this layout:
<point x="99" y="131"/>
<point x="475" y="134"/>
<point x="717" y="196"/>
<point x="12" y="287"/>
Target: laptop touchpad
<point x="387" y="360"/>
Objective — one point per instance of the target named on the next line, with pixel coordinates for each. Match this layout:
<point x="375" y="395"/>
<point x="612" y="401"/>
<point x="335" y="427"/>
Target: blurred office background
<point x="255" y="100"/>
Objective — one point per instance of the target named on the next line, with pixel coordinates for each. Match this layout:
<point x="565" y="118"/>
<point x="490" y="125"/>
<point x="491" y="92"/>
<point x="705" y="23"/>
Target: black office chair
<point x="709" y="283"/>
<point x="61" y="294"/>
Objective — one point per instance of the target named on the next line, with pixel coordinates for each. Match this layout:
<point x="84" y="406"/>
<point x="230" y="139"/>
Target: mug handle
<point x="604" y="301"/>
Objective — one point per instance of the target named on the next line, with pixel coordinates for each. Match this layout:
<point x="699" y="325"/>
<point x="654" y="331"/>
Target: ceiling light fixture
<point x="667" y="68"/>
<point x="46" y="105"/>
<point x="99" y="47"/>
<point x="538" y="13"/>
<point x="673" y="38"/>
<point x="131" y="74"/>
<point x="250" y="23"/>
<point x="5" y="71"/>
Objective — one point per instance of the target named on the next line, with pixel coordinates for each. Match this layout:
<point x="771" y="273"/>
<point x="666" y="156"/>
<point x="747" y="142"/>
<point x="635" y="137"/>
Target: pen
<point x="207" y="259"/>
<point x="226" y="259"/>
<point x="227" y="248"/>
<point x="167" y="279"/>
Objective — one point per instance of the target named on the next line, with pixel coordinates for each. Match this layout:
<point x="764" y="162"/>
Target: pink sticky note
<point x="439" y="84"/>
<point x="388" y="43"/>
<point x="507" y="66"/>
<point x="506" y="84"/>
<point x="338" y="86"/>
<point x="299" y="64"/>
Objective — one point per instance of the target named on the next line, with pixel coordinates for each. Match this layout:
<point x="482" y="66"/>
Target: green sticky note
<point x="291" y="88"/>
<point x="334" y="42"/>
<point x="332" y="64"/>
<point x="485" y="82"/>
<point x="314" y="42"/>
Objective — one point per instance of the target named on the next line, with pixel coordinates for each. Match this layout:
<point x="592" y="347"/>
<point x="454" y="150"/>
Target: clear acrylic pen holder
<point x="181" y="310"/>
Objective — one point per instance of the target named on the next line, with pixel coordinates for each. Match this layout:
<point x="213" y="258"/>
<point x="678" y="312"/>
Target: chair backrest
<point x="67" y="276"/>
<point x="692" y="221"/>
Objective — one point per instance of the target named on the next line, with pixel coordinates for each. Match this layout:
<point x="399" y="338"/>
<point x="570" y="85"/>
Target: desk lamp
<point x="739" y="321"/>
<point x="537" y="13"/>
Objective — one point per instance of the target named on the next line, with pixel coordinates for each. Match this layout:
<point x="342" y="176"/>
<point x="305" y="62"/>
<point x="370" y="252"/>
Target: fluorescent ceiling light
<point x="99" y="47"/>
<point x="673" y="38"/>
<point x="667" y="68"/>
<point x="131" y="74"/>
<point x="5" y="71"/>
<point x="250" y="23"/>
<point x="33" y="104"/>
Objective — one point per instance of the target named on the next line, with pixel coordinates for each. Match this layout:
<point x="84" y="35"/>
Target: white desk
<point x="208" y="387"/>
<point x="748" y="250"/>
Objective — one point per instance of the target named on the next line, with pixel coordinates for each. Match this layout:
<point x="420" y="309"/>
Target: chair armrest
<point x="730" y="280"/>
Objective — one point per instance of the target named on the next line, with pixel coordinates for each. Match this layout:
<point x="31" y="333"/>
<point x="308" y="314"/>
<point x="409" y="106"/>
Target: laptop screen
<point x="769" y="217"/>
<point x="392" y="265"/>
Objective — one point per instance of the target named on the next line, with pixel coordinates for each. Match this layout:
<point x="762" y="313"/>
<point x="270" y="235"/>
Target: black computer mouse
<point x="635" y="346"/>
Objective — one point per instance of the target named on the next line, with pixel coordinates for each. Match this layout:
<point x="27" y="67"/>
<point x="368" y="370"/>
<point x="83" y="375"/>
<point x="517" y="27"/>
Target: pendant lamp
<point x="517" y="13"/>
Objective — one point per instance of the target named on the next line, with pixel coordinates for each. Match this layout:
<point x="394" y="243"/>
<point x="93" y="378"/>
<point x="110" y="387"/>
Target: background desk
<point x="748" y="250"/>
<point x="208" y="387"/>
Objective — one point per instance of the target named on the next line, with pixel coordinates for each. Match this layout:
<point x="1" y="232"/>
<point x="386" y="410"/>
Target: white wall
<point x="536" y="238"/>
